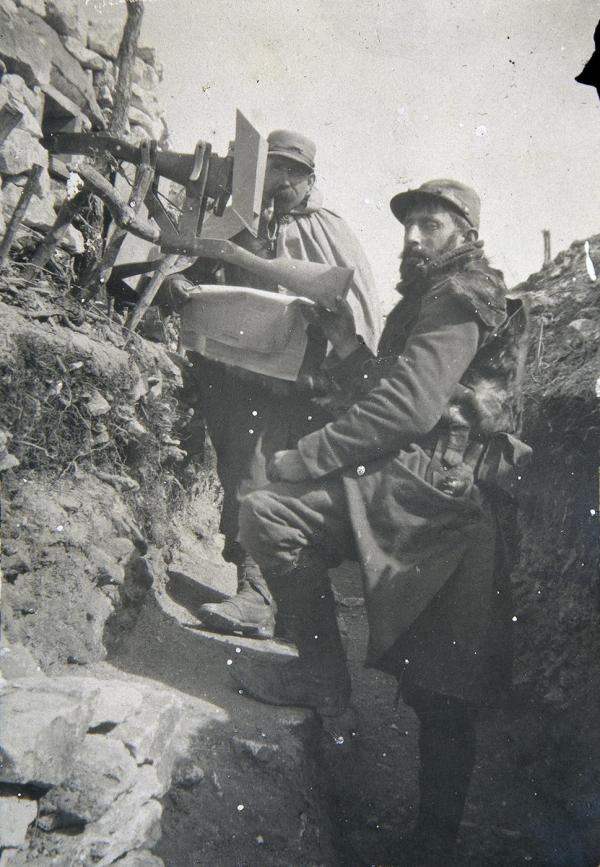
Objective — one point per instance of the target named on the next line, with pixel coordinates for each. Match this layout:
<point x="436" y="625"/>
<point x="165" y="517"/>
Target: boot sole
<point x="220" y="623"/>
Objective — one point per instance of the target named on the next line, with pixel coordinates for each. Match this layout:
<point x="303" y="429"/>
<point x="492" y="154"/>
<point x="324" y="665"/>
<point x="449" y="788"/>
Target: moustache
<point x="415" y="256"/>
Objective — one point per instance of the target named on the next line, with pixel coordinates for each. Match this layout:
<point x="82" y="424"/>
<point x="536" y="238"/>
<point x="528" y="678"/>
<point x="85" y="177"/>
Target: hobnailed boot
<point x="319" y="678"/>
<point x="251" y="612"/>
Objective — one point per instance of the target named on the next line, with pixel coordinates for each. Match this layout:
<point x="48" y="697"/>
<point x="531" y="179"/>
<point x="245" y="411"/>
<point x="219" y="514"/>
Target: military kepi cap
<point x="460" y="197"/>
<point x="292" y="146"/>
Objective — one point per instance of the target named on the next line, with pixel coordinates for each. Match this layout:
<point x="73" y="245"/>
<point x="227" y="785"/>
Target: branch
<point x="122" y="213"/>
<point x="31" y="187"/>
<point x="125" y="62"/>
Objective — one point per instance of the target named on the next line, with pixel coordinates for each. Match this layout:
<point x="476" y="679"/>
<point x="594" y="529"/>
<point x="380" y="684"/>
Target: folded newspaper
<point x="264" y="332"/>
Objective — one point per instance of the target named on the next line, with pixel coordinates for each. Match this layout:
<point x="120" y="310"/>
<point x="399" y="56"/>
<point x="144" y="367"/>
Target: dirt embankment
<point x="120" y="723"/>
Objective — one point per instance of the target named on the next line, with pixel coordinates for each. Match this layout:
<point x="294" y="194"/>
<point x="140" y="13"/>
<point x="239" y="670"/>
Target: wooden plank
<point x="31" y="187"/>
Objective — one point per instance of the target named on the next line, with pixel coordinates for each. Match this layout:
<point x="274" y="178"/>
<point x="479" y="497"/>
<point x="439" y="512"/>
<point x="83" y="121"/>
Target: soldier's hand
<point x="174" y="292"/>
<point x="337" y="325"/>
<point x="287" y="466"/>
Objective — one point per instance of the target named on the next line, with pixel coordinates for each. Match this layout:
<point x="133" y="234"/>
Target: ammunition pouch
<point x="502" y="463"/>
<point x="494" y="463"/>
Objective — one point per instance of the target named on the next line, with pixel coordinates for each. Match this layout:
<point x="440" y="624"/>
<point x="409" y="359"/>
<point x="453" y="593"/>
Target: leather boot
<point x="319" y="678"/>
<point x="447" y="740"/>
<point x="251" y="612"/>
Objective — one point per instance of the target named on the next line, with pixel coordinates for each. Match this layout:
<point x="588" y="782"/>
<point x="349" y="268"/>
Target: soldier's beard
<point x="413" y="264"/>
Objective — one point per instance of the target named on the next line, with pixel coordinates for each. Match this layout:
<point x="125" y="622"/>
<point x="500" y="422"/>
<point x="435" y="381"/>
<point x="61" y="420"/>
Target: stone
<point x="66" y="74"/>
<point x="105" y="79"/>
<point x="150" y="734"/>
<point x="187" y="776"/>
<point x="141" y="858"/>
<point x="85" y="56"/>
<point x="28" y="121"/>
<point x="137" y="135"/>
<point x="37" y="6"/>
<point x="588" y="329"/>
<point x="23" y="50"/>
<point x="40" y="213"/>
<point x="73" y="241"/>
<point x="9" y="462"/>
<point x="32" y="97"/>
<point x="114" y="702"/>
<point x="17" y="661"/>
<point x="149" y="55"/>
<point x="44" y="723"/>
<point x="11" y="182"/>
<point x="153" y="127"/>
<point x="16" y="814"/>
<point x="97" y="404"/>
<point x="121" y="548"/>
<point x="143" y="99"/>
<point x="132" y="823"/>
<point x="145" y="75"/>
<point x="104" y="771"/>
<point x="68" y="17"/>
<point x="105" y="568"/>
<point x="104" y="34"/>
<point x="105" y="97"/>
<point x="18" y="152"/>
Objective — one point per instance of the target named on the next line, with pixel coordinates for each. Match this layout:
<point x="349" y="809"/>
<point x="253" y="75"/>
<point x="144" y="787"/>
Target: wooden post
<point x="44" y="251"/>
<point x="122" y="98"/>
<point x="122" y="213"/>
<point x="29" y="189"/>
<point x="147" y="296"/>
<point x="547" y="252"/>
<point x="118" y="122"/>
<point x="125" y="64"/>
<point x="101" y="273"/>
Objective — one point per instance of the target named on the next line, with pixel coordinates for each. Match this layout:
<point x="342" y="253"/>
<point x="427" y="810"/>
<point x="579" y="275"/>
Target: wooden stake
<point x="44" y="251"/>
<point x="31" y="187"/>
<point x="122" y="213"/>
<point x="125" y="63"/>
<point x="547" y="251"/>
<point x="149" y="292"/>
<point x="100" y="274"/>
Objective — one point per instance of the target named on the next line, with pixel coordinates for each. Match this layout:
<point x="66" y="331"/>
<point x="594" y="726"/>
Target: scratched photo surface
<point x="180" y="766"/>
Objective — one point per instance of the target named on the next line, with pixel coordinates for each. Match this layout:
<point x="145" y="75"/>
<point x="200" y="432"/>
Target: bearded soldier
<point x="411" y="479"/>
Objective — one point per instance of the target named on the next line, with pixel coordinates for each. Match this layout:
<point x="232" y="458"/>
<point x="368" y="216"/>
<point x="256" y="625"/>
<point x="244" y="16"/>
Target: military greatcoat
<point x="426" y="450"/>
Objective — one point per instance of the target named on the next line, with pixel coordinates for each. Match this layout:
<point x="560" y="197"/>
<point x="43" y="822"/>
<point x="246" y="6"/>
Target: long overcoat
<point x="436" y="404"/>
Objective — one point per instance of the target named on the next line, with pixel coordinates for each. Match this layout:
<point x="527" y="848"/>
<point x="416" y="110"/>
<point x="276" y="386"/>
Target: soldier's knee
<point x="254" y="511"/>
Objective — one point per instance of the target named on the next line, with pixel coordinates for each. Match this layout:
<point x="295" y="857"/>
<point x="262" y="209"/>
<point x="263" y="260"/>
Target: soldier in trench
<point x="249" y="416"/>
<point x="411" y="479"/>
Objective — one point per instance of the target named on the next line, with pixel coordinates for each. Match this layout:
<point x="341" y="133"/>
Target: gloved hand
<point x="174" y="292"/>
<point x="337" y="325"/>
<point x="287" y="466"/>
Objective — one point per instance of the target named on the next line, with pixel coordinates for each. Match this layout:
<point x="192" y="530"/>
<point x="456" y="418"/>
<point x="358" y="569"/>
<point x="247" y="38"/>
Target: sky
<point x="397" y="92"/>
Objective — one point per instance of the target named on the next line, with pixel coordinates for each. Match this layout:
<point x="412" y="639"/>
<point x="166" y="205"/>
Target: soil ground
<point x="370" y="755"/>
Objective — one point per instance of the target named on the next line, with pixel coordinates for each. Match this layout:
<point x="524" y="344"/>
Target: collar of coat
<point x="468" y="276"/>
<point x="435" y="269"/>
